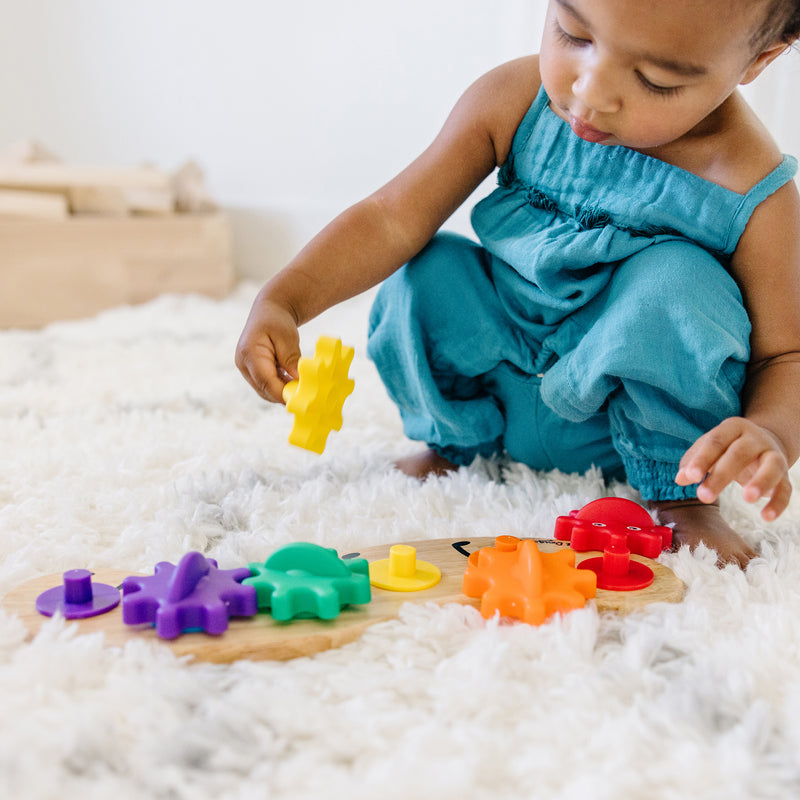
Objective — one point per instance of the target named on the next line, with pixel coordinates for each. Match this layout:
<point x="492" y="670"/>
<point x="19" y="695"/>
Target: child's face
<point x="643" y="73"/>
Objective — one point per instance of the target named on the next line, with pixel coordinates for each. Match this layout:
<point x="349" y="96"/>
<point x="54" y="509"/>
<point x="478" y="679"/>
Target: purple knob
<point x="78" y="586"/>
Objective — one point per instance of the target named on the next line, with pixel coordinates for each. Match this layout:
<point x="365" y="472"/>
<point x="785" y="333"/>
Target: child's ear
<point x="763" y="60"/>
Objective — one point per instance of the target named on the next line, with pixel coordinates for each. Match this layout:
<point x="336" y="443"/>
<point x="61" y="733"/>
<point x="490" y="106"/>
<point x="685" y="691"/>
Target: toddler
<point x="634" y="299"/>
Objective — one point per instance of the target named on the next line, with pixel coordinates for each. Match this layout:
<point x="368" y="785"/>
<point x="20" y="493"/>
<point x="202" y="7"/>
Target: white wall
<point x="774" y="96"/>
<point x="295" y="108"/>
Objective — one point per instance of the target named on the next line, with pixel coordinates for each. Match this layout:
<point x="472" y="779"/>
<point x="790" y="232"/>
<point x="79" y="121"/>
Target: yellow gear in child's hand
<point x="316" y="399"/>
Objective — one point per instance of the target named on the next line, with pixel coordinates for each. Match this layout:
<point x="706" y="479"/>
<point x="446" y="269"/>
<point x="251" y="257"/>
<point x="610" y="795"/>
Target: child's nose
<point x="596" y="88"/>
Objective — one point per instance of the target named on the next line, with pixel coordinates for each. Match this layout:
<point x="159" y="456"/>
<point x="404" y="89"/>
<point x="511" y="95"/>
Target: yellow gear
<point x="316" y="399"/>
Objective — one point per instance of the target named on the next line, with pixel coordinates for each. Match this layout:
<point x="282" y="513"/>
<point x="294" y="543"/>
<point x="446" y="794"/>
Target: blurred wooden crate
<point x="74" y="267"/>
<point x="75" y="239"/>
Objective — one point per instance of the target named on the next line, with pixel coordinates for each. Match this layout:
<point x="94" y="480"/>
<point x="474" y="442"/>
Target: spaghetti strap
<point x="768" y="185"/>
<point x="782" y="174"/>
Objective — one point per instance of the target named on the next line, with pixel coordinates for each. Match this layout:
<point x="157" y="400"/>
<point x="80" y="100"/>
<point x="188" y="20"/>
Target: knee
<point x="438" y="281"/>
<point x="671" y="319"/>
<point x="448" y="258"/>
<point x="677" y="271"/>
<point x="679" y="290"/>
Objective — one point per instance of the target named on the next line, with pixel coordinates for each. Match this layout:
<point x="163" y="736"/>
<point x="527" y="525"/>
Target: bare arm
<point x="771" y="287"/>
<point x="758" y="449"/>
<point x="378" y="235"/>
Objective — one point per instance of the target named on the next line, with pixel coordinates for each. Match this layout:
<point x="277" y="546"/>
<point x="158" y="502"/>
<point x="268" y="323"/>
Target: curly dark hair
<point x="781" y="24"/>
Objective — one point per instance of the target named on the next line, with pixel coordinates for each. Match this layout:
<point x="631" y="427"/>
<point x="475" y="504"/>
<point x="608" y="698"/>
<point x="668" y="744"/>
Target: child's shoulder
<point x="519" y="77"/>
<point x="736" y="153"/>
<point x="502" y="97"/>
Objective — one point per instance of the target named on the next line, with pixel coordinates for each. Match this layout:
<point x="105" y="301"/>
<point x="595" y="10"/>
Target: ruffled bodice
<point x="567" y="210"/>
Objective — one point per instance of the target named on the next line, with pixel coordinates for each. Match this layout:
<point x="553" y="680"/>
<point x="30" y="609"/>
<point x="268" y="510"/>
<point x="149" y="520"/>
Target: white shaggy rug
<point x="131" y="438"/>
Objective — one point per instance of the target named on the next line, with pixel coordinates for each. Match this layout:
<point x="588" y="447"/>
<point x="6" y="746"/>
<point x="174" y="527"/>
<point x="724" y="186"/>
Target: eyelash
<point x="565" y="38"/>
<point x="659" y="91"/>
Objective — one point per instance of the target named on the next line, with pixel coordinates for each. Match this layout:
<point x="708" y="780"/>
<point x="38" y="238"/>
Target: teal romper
<point x="594" y="324"/>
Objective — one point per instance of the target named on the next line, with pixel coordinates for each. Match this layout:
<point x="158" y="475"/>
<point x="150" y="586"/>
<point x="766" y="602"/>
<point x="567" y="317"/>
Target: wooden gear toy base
<point x="263" y="638"/>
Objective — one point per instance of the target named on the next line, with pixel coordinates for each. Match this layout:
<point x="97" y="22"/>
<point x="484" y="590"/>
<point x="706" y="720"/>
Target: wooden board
<point x="263" y="638"/>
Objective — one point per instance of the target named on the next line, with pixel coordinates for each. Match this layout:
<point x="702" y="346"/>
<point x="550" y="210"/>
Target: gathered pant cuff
<point x="655" y="480"/>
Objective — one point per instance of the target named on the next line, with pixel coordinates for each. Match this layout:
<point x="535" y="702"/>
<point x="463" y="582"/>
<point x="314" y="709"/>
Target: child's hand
<point x="269" y="349"/>
<point x="739" y="450"/>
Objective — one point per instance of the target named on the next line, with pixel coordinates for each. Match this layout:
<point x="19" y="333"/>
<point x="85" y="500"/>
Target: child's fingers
<point x="779" y="500"/>
<point x="288" y="353"/>
<point x="738" y="463"/>
<point x="257" y="365"/>
<point x="268" y="349"/>
<point x="268" y="362"/>
<point x="698" y="460"/>
<point x="768" y="474"/>
<point x="738" y="451"/>
<point x="282" y="369"/>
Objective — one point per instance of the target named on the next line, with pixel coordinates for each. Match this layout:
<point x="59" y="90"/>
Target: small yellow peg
<point x="402" y="572"/>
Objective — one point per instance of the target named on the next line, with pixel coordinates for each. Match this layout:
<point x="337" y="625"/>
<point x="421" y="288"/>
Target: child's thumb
<point x="289" y="361"/>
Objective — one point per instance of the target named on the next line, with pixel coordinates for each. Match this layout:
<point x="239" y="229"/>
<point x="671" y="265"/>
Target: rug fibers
<point x="130" y="438"/>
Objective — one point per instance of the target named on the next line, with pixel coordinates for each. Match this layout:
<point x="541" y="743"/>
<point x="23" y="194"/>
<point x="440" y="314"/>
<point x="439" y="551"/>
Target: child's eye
<point x="654" y="88"/>
<point x="568" y="38"/>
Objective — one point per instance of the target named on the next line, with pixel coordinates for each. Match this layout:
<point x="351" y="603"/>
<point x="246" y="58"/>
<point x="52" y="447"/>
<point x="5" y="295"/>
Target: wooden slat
<point x="49" y="175"/>
<point x="39" y="205"/>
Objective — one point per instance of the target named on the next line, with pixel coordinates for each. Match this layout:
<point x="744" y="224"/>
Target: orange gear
<point x="517" y="580"/>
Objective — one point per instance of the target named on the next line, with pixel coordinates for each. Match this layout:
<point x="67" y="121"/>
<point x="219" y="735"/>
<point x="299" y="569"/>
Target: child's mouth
<point x="587" y="132"/>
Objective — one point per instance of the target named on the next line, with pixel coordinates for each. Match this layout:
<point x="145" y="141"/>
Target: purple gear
<point x="195" y="594"/>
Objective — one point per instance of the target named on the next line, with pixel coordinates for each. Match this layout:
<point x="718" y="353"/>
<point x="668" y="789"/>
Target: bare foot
<point x="697" y="522"/>
<point x="421" y="465"/>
